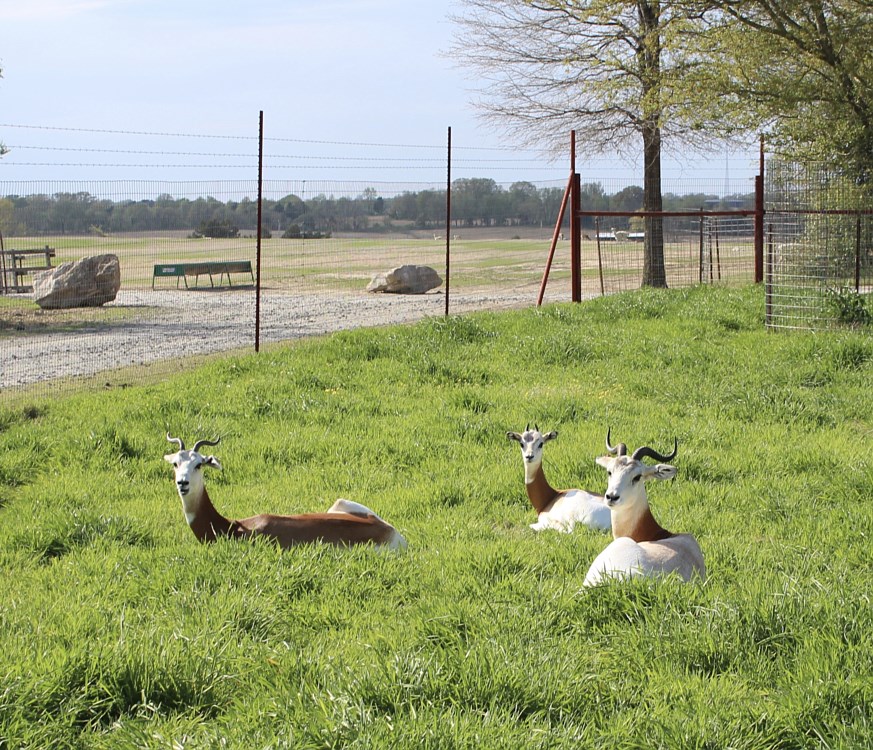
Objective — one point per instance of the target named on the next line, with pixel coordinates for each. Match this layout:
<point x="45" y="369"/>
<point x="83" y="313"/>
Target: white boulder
<point x="408" y="279"/>
<point x="89" y="282"/>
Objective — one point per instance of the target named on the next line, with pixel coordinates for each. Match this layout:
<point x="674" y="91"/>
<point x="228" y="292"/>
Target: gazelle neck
<point x="637" y="522"/>
<point x="205" y="521"/>
<point x="540" y="493"/>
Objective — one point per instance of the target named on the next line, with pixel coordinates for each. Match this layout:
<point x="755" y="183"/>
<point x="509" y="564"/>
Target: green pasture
<point x="119" y="630"/>
<point x="348" y="264"/>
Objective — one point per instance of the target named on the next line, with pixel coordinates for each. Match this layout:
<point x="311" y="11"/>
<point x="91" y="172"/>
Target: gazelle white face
<point x="188" y="467"/>
<point x="532" y="442"/>
<point x="627" y="477"/>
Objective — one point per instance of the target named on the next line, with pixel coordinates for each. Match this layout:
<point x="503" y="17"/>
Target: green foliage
<point x="799" y="72"/>
<point x="117" y="629"/>
<point x="848" y="306"/>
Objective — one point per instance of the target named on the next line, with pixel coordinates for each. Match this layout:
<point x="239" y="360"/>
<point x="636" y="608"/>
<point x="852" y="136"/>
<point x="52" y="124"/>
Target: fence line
<point x="322" y="241"/>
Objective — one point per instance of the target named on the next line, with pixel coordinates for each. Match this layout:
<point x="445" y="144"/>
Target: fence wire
<point x="322" y="243"/>
<point x="819" y="254"/>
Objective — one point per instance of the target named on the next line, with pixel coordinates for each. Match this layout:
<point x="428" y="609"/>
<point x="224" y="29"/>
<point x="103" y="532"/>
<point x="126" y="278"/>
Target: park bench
<point x="20" y="263"/>
<point x="214" y="269"/>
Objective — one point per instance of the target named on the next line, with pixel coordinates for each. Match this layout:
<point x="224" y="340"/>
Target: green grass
<point x="119" y="630"/>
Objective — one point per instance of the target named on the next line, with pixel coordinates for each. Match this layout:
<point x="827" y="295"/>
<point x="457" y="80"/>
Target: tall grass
<point x="117" y="629"/>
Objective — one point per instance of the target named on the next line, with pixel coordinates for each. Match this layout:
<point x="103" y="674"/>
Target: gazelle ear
<point x="171" y="457"/>
<point x="605" y="461"/>
<point x="212" y="461"/>
<point x="550" y="436"/>
<point x="514" y="436"/>
<point x="660" y="471"/>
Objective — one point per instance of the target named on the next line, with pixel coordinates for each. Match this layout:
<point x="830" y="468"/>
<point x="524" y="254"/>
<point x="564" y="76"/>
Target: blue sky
<point x="323" y="72"/>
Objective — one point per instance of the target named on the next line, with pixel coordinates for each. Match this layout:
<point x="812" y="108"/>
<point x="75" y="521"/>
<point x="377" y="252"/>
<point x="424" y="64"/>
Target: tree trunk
<point x="649" y="58"/>
<point x="654" y="272"/>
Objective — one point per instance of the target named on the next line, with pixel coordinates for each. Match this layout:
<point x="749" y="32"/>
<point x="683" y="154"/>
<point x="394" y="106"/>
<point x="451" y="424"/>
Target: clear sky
<point x="324" y="72"/>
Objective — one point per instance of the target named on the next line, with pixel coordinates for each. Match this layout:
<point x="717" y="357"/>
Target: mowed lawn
<point x="119" y="630"/>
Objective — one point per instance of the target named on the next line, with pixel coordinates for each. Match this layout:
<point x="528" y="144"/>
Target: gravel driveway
<point x="163" y="324"/>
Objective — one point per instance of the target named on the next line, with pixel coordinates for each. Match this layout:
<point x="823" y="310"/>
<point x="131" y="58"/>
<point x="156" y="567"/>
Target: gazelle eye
<point x="637" y="478"/>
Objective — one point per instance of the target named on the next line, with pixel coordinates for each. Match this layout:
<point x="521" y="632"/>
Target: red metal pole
<point x="575" y="239"/>
<point x="555" y="236"/>
<point x="260" y="209"/>
<point x="599" y="254"/>
<point x="575" y="226"/>
<point x="448" y="213"/>
<point x="759" y="217"/>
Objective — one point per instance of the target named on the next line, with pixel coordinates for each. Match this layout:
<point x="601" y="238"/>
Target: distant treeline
<point x="475" y="203"/>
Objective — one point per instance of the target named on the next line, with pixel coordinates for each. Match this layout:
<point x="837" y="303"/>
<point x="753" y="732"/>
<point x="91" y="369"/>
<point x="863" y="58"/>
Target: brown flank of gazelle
<point x="560" y="510"/>
<point x="345" y="523"/>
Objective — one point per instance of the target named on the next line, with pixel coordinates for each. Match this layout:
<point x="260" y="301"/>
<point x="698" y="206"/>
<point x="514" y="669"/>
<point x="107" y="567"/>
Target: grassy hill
<point x="120" y="630"/>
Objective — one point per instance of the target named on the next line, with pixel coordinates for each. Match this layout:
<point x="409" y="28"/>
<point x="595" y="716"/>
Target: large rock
<point x="407" y="279"/>
<point x="89" y="282"/>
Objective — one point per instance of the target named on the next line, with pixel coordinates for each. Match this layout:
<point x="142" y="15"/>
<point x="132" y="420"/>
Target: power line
<point x="105" y="131"/>
<point x="356" y="144"/>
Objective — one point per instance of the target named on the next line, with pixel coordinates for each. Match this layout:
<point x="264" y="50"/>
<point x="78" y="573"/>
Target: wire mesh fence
<point x="819" y="255"/>
<point x="188" y="259"/>
<point x="197" y="277"/>
<point x="717" y="250"/>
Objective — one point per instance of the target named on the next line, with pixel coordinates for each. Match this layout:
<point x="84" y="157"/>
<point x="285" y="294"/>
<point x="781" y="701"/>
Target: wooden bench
<point x="20" y="263"/>
<point x="214" y="269"/>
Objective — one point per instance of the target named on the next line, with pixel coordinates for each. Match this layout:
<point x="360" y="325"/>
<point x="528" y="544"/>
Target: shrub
<point x="848" y="306"/>
<point x="217" y="228"/>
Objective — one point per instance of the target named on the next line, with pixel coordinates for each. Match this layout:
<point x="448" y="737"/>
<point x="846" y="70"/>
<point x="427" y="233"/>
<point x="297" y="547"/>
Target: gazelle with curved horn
<point x="345" y="523"/>
<point x="556" y="509"/>
<point x="641" y="546"/>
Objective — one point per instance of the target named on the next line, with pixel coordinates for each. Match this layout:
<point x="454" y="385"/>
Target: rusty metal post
<point x="260" y="210"/>
<point x="759" y="216"/>
<point x="554" y="244"/>
<point x="575" y="239"/>
<point x="448" y="213"/>
<point x="2" y="263"/>
<point x="717" y="251"/>
<point x="599" y="255"/>
<point x="768" y="283"/>
<point x="575" y="226"/>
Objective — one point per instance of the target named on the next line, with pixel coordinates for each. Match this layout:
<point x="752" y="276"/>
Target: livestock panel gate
<point x="819" y="247"/>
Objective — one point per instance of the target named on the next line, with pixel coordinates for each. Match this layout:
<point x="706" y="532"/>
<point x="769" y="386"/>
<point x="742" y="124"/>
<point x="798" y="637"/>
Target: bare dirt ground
<point x="146" y="326"/>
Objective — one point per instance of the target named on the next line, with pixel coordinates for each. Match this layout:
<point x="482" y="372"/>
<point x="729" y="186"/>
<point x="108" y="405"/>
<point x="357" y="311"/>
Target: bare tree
<point x="616" y="71"/>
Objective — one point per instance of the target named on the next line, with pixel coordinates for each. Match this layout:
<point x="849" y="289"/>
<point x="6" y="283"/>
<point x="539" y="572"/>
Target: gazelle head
<point x="628" y="474"/>
<point x="532" y="442"/>
<point x="188" y="465"/>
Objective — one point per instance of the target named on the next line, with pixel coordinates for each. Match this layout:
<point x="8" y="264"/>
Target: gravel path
<point x="161" y="325"/>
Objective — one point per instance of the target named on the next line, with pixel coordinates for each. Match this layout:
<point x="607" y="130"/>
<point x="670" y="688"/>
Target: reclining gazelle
<point x="641" y="546"/>
<point x="345" y="523"/>
<point x="556" y="509"/>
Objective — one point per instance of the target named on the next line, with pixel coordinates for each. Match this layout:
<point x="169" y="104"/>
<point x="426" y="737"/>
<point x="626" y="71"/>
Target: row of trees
<point x="641" y="74"/>
<point x="475" y="202"/>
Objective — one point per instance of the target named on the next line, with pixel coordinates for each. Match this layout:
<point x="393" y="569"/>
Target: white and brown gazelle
<point x="641" y="547"/>
<point x="556" y="509"/>
<point x="345" y="523"/>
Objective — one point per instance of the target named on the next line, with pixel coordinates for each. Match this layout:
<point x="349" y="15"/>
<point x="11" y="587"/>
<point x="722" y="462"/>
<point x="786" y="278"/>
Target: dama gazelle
<point x="556" y="509"/>
<point x="641" y="546"/>
<point x="345" y="523"/>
